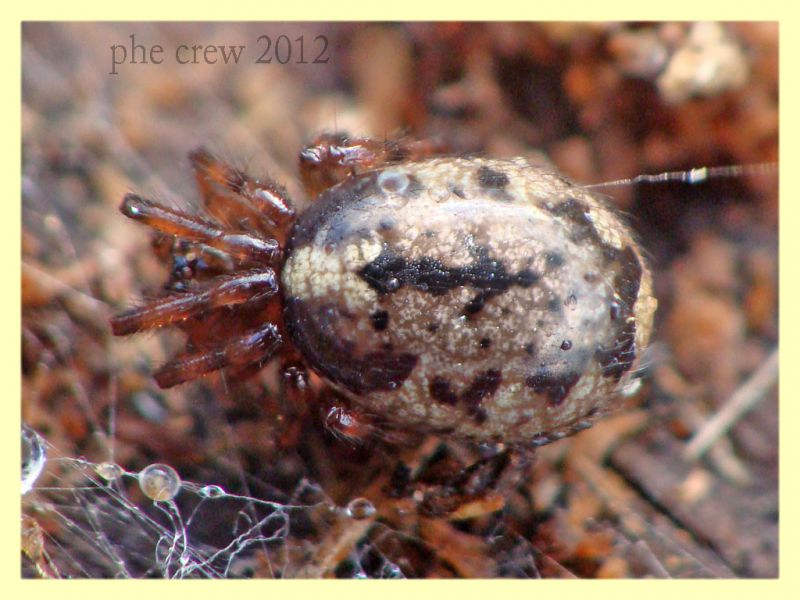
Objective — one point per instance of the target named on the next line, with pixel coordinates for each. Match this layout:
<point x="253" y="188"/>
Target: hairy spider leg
<point x="253" y="347"/>
<point x="238" y="200"/>
<point x="244" y="246"/>
<point x="344" y="422"/>
<point x="332" y="157"/>
<point x="230" y="290"/>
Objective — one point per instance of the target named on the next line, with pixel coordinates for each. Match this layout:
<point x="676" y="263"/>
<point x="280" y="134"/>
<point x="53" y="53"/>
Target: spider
<point x="489" y="300"/>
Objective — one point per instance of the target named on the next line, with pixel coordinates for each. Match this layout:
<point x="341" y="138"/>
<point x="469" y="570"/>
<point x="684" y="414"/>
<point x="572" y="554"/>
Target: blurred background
<point x="601" y="102"/>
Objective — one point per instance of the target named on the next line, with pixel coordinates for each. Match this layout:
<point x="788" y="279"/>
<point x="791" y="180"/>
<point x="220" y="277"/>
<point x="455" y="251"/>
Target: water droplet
<point x="159" y="482"/>
<point x="33" y="457"/>
<point x="393" y="181"/>
<point x="212" y="491"/>
<point x="360" y="508"/>
<point x="109" y="471"/>
<point x="392" y="284"/>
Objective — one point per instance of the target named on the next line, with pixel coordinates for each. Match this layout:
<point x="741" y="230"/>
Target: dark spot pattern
<point x="566" y="345"/>
<point x="491" y="179"/>
<point x="554" y="259"/>
<point x="380" y="371"/>
<point x="555" y="387"/>
<point x="389" y="272"/>
<point x="578" y="213"/>
<point x="483" y="386"/>
<point x="475" y="305"/>
<point x="440" y="391"/>
<point x="380" y="320"/>
<point x="485" y="343"/>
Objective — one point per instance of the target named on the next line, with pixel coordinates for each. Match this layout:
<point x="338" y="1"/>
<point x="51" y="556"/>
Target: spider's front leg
<point x="332" y="157"/>
<point x="247" y="351"/>
<point x="231" y="290"/>
<point x="240" y="201"/>
<point x="245" y="247"/>
<point x="239" y="349"/>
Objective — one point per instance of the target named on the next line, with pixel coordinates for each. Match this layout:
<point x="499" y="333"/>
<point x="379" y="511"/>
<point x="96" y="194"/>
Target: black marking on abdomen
<point x="494" y="184"/>
<point x="379" y="320"/>
<point x="554" y="259"/>
<point x="440" y="391"/>
<point x="555" y="387"/>
<point x="475" y="305"/>
<point x="389" y="272"/>
<point x="491" y="179"/>
<point x="578" y="213"/>
<point x="483" y="386"/>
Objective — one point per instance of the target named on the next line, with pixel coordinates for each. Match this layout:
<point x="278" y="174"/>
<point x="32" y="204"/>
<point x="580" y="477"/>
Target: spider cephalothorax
<point x="487" y="299"/>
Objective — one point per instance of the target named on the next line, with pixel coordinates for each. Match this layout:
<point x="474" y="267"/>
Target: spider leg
<point x="238" y="200"/>
<point x="347" y="424"/>
<point x="174" y="222"/>
<point x="332" y="157"/>
<point x="241" y="289"/>
<point x="254" y="347"/>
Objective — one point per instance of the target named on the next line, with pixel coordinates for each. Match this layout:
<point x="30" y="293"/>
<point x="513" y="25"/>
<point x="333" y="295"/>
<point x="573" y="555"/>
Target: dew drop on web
<point x="159" y="482"/>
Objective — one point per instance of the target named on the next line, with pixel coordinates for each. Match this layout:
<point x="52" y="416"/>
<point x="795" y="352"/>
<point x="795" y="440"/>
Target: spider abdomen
<point x="488" y="299"/>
